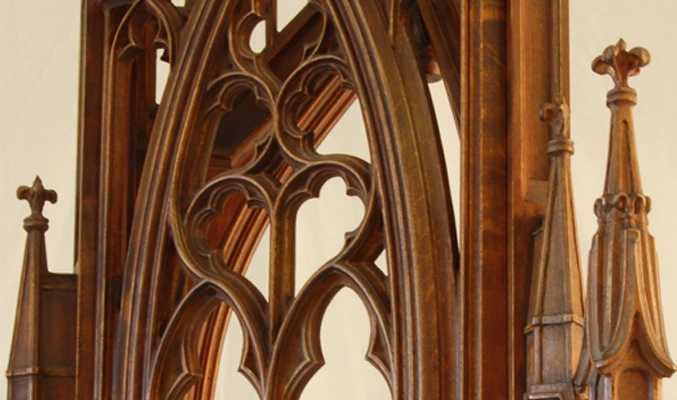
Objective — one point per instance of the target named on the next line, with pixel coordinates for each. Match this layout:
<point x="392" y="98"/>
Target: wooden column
<point x="484" y="200"/>
<point x="514" y="58"/>
<point x="92" y="45"/>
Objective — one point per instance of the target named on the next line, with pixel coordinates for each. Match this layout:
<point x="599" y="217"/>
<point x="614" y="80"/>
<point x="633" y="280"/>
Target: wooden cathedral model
<point x="174" y="194"/>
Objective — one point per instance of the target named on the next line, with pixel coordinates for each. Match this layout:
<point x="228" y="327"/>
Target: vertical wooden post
<point x="94" y="36"/>
<point x="484" y="201"/>
<point x="537" y="72"/>
<point x="514" y="58"/>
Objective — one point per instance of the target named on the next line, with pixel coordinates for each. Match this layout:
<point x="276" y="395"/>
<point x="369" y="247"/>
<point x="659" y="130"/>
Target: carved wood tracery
<point x="182" y="191"/>
<point x="284" y="171"/>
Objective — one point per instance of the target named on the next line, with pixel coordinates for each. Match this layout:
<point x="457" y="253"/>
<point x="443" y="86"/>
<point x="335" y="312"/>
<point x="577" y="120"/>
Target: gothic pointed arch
<point x="359" y="47"/>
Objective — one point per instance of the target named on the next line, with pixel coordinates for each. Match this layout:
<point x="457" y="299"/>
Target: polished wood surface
<point x="42" y="359"/>
<point x="554" y="330"/>
<point x="627" y="349"/>
<point x="174" y="194"/>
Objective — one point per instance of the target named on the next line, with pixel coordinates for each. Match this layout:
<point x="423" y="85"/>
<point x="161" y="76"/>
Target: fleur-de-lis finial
<point x="620" y="64"/>
<point x="36" y="196"/>
<point x="558" y="116"/>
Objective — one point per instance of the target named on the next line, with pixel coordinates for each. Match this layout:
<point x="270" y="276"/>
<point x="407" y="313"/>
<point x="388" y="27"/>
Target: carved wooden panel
<point x="176" y="192"/>
<point x="213" y="221"/>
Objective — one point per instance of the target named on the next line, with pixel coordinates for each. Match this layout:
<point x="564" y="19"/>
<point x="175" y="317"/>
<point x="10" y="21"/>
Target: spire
<point x="36" y="196"/>
<point x="555" y="319"/>
<point x="42" y="359"/>
<point x="624" y="323"/>
<point x="25" y="358"/>
<point x="622" y="173"/>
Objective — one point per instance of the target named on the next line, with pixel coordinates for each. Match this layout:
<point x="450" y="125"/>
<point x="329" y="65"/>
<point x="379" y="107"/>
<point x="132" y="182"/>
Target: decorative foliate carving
<point x="558" y="116"/>
<point x="626" y="345"/>
<point x="620" y="64"/>
<point x="36" y="196"/>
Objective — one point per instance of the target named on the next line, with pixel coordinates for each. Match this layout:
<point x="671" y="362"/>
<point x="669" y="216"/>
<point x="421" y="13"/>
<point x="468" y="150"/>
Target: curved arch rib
<point x="407" y="161"/>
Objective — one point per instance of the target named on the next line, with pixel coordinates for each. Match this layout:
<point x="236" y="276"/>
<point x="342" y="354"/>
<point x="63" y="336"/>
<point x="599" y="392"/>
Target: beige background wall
<point x="39" y="45"/>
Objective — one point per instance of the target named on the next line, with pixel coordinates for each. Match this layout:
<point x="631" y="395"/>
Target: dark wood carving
<point x="627" y="353"/>
<point x="554" y="332"/>
<point x="42" y="359"/>
<point x="174" y="194"/>
<point x="622" y="352"/>
<point x="282" y="348"/>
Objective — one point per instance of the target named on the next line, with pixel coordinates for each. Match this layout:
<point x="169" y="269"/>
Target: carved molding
<point x="175" y="193"/>
<point x="554" y="332"/>
<point x="626" y="344"/>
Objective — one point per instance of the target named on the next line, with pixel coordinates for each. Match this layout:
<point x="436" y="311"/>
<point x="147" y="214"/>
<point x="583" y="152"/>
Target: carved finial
<point x="44" y="343"/>
<point x="620" y="64"/>
<point x="626" y="343"/>
<point x="555" y="316"/>
<point x="36" y="196"/>
<point x="558" y="116"/>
